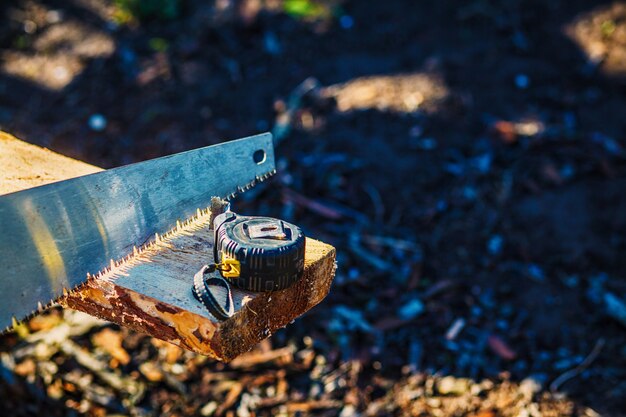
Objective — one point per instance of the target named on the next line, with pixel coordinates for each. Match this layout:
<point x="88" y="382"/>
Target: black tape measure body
<point x="260" y="253"/>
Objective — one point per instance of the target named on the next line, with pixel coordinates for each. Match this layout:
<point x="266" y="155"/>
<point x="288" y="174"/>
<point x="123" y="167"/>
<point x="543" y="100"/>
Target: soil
<point x="467" y="160"/>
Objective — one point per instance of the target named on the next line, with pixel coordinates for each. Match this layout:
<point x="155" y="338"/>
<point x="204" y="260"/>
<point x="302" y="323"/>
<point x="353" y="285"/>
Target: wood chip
<point x="248" y="360"/>
<point x="111" y="342"/>
<point x="28" y="367"/>
<point x="307" y="406"/>
<point x="151" y="371"/>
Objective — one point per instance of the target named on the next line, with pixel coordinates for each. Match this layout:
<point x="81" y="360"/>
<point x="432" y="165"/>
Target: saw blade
<point x="55" y="235"/>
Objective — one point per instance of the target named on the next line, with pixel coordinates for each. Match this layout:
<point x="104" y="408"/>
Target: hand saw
<point x="54" y="235"/>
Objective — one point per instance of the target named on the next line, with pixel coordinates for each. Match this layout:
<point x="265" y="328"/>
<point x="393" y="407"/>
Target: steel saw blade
<point x="54" y="235"/>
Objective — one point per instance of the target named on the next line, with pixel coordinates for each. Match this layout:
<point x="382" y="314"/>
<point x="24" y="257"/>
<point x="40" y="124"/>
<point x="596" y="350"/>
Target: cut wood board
<point x="150" y="290"/>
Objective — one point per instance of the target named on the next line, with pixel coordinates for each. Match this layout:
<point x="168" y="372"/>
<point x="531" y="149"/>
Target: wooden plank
<point x="23" y="165"/>
<point x="150" y="290"/>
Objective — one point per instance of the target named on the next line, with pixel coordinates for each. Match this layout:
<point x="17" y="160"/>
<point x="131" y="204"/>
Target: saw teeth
<point x="159" y="238"/>
<point x="257" y="179"/>
<point x="15" y="322"/>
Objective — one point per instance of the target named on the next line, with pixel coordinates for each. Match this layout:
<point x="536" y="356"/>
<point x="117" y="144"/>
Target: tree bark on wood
<point x="150" y="289"/>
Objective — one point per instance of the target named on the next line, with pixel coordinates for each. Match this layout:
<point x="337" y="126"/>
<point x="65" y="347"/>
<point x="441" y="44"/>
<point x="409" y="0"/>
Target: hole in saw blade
<point x="259" y="156"/>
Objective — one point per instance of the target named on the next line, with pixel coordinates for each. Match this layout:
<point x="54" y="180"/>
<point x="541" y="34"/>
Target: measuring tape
<point x="252" y="253"/>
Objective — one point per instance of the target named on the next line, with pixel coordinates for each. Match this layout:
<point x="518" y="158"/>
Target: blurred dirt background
<point x="466" y="158"/>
